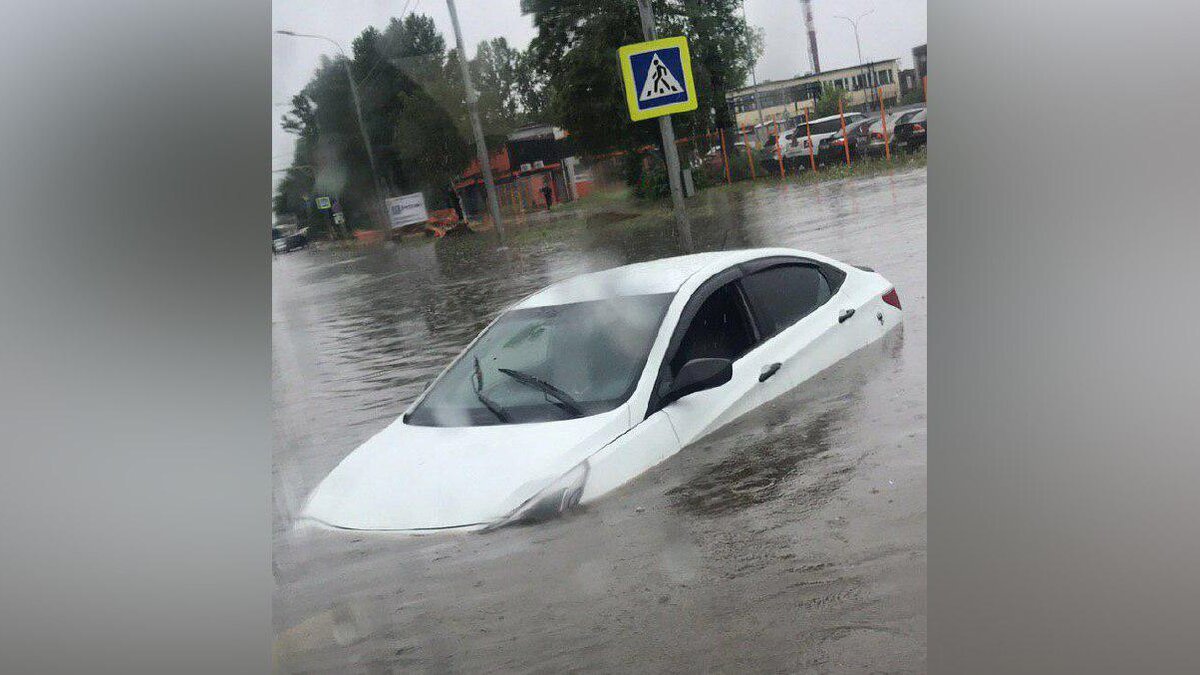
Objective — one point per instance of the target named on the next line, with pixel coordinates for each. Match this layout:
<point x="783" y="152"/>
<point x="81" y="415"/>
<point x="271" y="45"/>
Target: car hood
<point x="419" y="478"/>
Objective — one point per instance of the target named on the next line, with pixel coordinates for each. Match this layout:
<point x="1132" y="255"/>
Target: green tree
<point x="575" y="51"/>
<point x="827" y="103"/>
<point x="414" y="112"/>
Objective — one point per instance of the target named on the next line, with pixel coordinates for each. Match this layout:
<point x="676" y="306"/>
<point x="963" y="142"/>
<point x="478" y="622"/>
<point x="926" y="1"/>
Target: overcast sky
<point x="891" y="30"/>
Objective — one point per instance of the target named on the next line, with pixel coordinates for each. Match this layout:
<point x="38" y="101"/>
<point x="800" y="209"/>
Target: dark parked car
<point x="877" y="139"/>
<point x="910" y="133"/>
<point x="831" y="149"/>
<point x="281" y="242"/>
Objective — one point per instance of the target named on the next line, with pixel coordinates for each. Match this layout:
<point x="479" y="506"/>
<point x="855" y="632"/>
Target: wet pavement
<point x="792" y="539"/>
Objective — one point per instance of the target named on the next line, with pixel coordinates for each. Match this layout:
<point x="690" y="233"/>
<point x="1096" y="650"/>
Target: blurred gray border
<point x="135" y="483"/>
<point x="136" y="358"/>
<point x="1064" y="453"/>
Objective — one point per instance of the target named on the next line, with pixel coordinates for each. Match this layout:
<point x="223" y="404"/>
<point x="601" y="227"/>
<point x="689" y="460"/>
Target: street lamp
<point x="858" y="45"/>
<point x="362" y="128"/>
<point x="753" y="76"/>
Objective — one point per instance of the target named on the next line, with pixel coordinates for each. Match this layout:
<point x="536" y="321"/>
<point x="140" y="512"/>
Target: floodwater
<point x="792" y="539"/>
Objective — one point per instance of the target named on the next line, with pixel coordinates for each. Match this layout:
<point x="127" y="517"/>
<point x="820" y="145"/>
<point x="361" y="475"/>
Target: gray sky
<point x="892" y="30"/>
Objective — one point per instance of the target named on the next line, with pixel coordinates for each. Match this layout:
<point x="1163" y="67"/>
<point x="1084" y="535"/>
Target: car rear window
<point x="784" y="294"/>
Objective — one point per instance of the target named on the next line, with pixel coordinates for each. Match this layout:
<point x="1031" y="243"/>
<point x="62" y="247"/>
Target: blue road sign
<point x="658" y="78"/>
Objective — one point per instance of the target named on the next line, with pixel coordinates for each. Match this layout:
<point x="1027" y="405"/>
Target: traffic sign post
<point x="658" y="78"/>
<point x="658" y="82"/>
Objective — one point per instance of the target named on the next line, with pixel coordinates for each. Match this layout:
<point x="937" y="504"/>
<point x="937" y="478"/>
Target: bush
<point x="912" y="97"/>
<point x="827" y="104"/>
<point x="653" y="183"/>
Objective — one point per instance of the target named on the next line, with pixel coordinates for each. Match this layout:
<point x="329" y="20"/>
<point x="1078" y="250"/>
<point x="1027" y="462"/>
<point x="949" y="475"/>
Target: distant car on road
<point x="584" y="385"/>
<point x="282" y="242"/>
<point x="910" y="133"/>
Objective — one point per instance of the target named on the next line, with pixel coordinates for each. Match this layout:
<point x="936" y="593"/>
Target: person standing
<point x="547" y="193"/>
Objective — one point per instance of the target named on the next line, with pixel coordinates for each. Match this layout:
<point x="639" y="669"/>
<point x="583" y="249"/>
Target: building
<point x="788" y="98"/>
<point x="920" y="60"/>
<point x="533" y="156"/>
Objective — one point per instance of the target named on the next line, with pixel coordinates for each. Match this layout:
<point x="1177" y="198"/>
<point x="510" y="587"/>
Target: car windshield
<point x="547" y="363"/>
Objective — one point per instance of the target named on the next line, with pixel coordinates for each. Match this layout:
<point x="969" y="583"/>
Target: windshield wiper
<point x="546" y="388"/>
<point x="477" y="387"/>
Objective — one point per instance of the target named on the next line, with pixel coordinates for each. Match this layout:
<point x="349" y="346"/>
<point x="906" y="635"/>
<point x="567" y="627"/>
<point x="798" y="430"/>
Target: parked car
<point x="910" y="133"/>
<point x="832" y="149"/>
<point x="584" y="385"/>
<point x="795" y="142"/>
<point x="877" y="139"/>
<point x="766" y="155"/>
<point x="282" y="242"/>
<point x="714" y="159"/>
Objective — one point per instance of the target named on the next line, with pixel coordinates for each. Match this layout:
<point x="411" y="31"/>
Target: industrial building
<point x="787" y="98"/>
<point x="533" y="156"/>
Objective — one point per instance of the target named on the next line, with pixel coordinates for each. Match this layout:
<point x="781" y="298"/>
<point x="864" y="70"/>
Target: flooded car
<point x="590" y="382"/>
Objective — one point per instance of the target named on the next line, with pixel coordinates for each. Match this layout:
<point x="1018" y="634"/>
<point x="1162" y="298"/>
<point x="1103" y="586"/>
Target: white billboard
<point x="407" y="209"/>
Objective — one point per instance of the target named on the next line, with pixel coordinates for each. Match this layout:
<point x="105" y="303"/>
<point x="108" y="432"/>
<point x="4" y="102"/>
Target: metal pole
<point x="362" y="130"/>
<point x="485" y="166"/>
<point x="670" y="152"/>
<point x="858" y="45"/>
<point x="753" y="77"/>
<point x="861" y="70"/>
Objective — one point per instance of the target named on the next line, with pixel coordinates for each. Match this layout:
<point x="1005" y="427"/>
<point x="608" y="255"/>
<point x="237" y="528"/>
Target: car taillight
<point x="892" y="298"/>
<point x="876" y="134"/>
<point x="917" y="127"/>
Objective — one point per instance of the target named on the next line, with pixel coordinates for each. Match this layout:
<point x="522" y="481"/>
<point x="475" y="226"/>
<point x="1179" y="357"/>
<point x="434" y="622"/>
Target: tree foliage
<point x="414" y="105"/>
<point x="414" y="111"/>
<point x="576" y="53"/>
<point x="827" y="103"/>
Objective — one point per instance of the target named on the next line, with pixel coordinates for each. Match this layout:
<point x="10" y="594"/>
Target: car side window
<point x="720" y="329"/>
<point x="784" y="294"/>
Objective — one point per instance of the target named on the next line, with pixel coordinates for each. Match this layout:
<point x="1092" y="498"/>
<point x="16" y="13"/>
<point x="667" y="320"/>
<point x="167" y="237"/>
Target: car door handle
<point x="768" y="371"/>
<point x="846" y="314"/>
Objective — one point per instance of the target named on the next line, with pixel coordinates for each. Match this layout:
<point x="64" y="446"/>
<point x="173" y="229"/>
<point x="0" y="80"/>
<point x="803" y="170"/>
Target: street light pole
<point x="670" y="152"/>
<point x="485" y="165"/>
<point x="858" y="45"/>
<point x="753" y="76"/>
<point x="381" y="210"/>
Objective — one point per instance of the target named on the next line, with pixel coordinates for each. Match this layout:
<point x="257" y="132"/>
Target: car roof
<point x="664" y="275"/>
<point x="828" y="118"/>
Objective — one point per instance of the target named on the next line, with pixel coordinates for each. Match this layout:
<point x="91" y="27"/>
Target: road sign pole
<point x="485" y="165"/>
<point x="670" y="152"/>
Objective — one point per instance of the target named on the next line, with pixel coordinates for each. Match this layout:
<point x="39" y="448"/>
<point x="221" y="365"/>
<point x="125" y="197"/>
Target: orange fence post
<point x="724" y="157"/>
<point x="749" y="155"/>
<point x="845" y="138"/>
<point x="887" y="144"/>
<point x="812" y="158"/>
<point x="778" y="147"/>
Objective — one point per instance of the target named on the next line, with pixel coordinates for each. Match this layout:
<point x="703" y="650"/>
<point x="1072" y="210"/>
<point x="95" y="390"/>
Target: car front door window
<point x="720" y="329"/>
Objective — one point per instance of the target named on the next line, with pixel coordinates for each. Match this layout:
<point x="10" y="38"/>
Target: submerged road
<point x="792" y="539"/>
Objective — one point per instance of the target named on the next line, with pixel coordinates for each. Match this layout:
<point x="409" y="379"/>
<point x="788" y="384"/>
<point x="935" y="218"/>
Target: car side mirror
<point x="698" y="375"/>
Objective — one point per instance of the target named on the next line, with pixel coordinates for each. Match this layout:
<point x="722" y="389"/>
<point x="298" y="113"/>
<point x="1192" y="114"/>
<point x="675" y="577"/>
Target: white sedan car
<point x="588" y="383"/>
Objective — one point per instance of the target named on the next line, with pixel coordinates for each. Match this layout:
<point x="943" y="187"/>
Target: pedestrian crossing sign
<point x="658" y="78"/>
